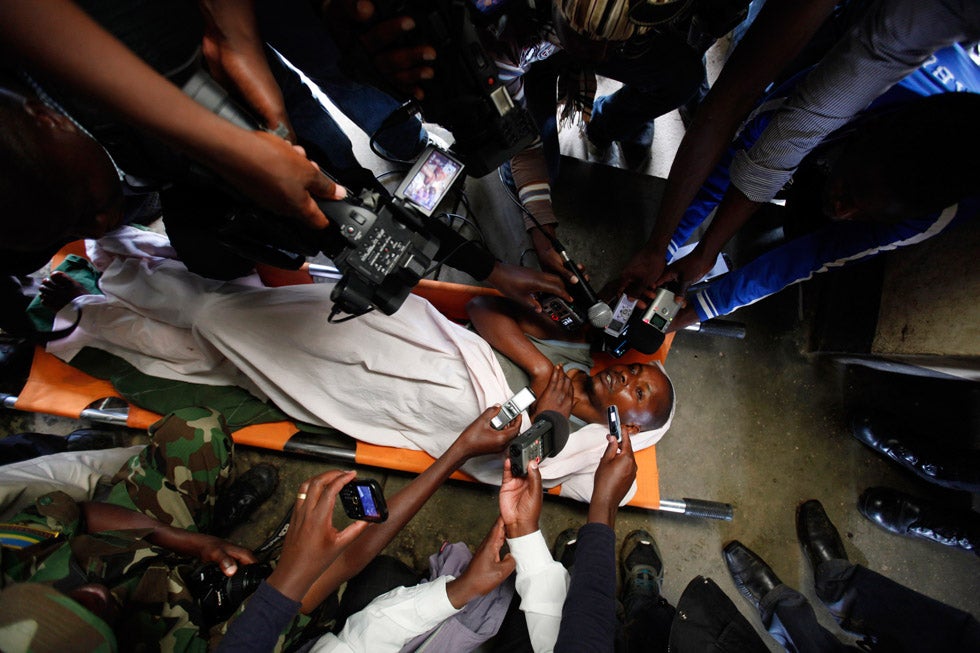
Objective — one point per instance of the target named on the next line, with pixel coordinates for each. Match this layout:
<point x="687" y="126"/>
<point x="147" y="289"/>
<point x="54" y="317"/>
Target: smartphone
<point x="513" y="407"/>
<point x="363" y="499"/>
<point x="615" y="428"/>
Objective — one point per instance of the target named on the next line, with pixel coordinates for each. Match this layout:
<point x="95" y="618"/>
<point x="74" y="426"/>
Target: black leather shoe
<point x="88" y="439"/>
<point x="955" y="469"/>
<point x="240" y="500"/>
<point x="911" y="516"/>
<point x="753" y="577"/>
<point x="818" y="537"/>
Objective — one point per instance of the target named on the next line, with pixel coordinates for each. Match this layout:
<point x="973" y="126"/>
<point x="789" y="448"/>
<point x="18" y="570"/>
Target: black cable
<point x="395" y="118"/>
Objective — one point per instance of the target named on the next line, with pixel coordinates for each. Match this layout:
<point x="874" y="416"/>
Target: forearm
<point x="100" y="517"/>
<point x="589" y="614"/>
<point x="402" y="506"/>
<point x="530" y="173"/>
<point x="542" y="584"/>
<point x="234" y="47"/>
<point x="77" y="52"/>
<point x="497" y="322"/>
<point x="733" y="212"/>
<point x="891" y="40"/>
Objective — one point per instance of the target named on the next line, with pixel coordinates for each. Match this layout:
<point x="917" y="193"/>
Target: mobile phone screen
<point x="367" y="502"/>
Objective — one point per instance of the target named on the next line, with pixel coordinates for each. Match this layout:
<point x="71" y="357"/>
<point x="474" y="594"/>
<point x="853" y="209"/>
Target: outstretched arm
<point x="101" y="517"/>
<point x="590" y="609"/>
<point x="479" y="438"/>
<point x="776" y="36"/>
<point x="76" y="51"/>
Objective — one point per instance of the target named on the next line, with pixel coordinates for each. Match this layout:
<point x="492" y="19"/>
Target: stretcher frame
<point x="56" y="388"/>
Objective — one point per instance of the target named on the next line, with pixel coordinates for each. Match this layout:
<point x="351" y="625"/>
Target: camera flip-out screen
<point x="429" y="179"/>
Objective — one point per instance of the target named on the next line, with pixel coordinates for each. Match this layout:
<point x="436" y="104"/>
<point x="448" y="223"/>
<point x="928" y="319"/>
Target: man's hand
<point x="479" y="438"/>
<point x="236" y="59"/>
<point x="548" y="256"/>
<point x="639" y="275"/>
<point x="224" y="553"/>
<point x="312" y="542"/>
<point x="486" y="570"/>
<point x="278" y="176"/>
<point x="558" y="395"/>
<point x="390" y="43"/>
<point x="520" y="500"/>
<point x="688" y="270"/>
<point x="520" y="284"/>
<point x="613" y="478"/>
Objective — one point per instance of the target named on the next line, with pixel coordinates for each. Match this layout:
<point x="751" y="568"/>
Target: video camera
<point x="381" y="244"/>
<point x="465" y="95"/>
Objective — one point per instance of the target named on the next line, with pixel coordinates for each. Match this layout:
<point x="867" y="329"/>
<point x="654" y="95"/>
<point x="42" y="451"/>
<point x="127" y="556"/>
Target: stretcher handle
<point x="699" y="508"/>
<point x="719" y="328"/>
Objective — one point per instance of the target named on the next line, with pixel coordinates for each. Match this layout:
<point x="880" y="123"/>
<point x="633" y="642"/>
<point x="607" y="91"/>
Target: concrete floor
<point x="759" y="424"/>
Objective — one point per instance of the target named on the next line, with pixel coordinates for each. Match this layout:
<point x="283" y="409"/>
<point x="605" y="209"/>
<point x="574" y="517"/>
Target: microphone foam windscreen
<point x="559" y="429"/>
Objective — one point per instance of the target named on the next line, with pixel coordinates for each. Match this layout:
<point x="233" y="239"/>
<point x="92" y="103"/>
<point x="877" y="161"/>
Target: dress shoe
<point x="955" y="469"/>
<point x="240" y="500"/>
<point x="910" y="516"/>
<point x="564" y="548"/>
<point x="753" y="577"/>
<point x="91" y="439"/>
<point x="818" y="537"/>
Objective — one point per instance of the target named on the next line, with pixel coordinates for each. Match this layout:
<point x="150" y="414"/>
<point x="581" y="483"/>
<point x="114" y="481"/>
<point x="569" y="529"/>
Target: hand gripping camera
<point x="380" y="244"/>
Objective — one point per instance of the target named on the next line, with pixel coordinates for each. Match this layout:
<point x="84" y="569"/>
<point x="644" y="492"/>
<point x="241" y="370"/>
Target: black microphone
<point x="600" y="315"/>
<point x="546" y="437"/>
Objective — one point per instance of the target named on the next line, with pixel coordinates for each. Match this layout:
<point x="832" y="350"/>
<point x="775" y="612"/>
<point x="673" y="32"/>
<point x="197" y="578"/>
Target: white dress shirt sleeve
<point x="542" y="584"/>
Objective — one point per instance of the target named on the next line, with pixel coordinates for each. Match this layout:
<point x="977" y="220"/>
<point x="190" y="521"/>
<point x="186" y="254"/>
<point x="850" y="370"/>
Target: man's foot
<point x="564" y="549"/>
<point x="753" y="577"/>
<point x="240" y="500"/>
<point x="818" y="537"/>
<point x="58" y="290"/>
<point x="950" y="468"/>
<point x="91" y="439"/>
<point x="910" y="516"/>
<point x="643" y="568"/>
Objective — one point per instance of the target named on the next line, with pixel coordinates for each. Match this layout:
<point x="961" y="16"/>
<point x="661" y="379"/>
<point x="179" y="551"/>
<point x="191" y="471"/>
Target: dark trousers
<point x="894" y="617"/>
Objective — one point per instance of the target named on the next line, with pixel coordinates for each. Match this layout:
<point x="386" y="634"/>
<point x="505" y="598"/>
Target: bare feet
<point x="59" y="289"/>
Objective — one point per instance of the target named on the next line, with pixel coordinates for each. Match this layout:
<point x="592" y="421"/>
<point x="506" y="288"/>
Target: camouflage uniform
<point x="174" y="480"/>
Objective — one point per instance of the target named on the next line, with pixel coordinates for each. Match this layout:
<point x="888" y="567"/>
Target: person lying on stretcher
<point x="412" y="380"/>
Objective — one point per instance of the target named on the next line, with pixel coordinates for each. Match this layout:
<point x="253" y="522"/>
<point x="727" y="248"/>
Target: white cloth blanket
<point x="413" y="380"/>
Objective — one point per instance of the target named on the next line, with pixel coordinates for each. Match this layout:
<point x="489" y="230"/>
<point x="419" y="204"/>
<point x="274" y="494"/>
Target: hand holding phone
<point x="363" y="499"/>
<point x="513" y="407"/>
<point x="615" y="428"/>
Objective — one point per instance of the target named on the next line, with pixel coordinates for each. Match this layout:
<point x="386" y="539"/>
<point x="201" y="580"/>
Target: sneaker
<point x="643" y="569"/>
<point x="564" y="549"/>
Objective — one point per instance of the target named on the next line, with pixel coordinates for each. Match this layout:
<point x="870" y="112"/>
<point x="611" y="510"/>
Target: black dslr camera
<point x="218" y="595"/>
<point x="465" y="95"/>
<point x="380" y="244"/>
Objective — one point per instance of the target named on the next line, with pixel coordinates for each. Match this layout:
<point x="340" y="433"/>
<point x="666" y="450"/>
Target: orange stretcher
<point x="56" y="388"/>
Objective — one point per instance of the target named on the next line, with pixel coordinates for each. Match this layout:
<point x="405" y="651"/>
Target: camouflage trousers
<point x="175" y="480"/>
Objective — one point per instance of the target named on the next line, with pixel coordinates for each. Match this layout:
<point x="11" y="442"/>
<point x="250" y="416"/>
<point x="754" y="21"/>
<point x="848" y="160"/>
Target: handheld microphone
<point x="600" y="315"/>
<point x="545" y="439"/>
